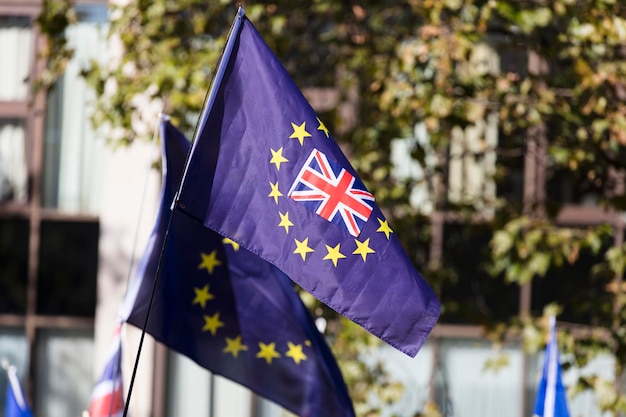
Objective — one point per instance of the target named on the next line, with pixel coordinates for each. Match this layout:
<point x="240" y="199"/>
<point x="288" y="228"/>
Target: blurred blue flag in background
<point x="266" y="173"/>
<point x="229" y="310"/>
<point x="16" y="405"/>
<point x="551" y="396"/>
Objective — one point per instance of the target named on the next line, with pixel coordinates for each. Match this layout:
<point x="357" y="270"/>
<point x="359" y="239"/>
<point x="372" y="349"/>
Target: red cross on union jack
<point x="332" y="192"/>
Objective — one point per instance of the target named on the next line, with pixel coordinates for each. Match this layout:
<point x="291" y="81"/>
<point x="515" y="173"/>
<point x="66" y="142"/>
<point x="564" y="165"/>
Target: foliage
<point x="555" y="87"/>
<point x="559" y="85"/>
<point x="57" y="15"/>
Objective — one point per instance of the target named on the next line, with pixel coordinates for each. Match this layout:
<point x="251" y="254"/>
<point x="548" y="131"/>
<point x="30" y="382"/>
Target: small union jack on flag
<point x="326" y="188"/>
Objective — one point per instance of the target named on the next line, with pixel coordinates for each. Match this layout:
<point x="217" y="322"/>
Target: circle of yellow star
<point x="275" y="192"/>
<point x="267" y="352"/>
<point x="231" y="242"/>
<point x="299" y="132"/>
<point x="234" y="346"/>
<point x="202" y="296"/>
<point x="284" y="221"/>
<point x="295" y="352"/>
<point x="210" y="261"/>
<point x="278" y="158"/>
<point x="302" y="248"/>
<point x="322" y="127"/>
<point x="212" y="323"/>
<point x="334" y="254"/>
<point x="384" y="228"/>
<point x="363" y="249"/>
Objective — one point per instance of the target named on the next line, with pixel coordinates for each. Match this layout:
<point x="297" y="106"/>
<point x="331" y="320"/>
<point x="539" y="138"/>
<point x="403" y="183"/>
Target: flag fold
<point x="229" y="310"/>
<point x="266" y="173"/>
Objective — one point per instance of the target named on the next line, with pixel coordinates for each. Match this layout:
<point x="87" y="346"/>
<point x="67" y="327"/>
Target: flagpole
<point x="217" y="79"/>
<point x="212" y="94"/>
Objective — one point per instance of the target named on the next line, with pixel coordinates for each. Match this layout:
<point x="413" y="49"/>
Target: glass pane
<point x="13" y="167"/>
<point x="209" y="395"/>
<point x="184" y="399"/>
<point x="13" y="265"/>
<point x="68" y="268"/>
<point x="64" y="372"/>
<point x="472" y="165"/>
<point x="414" y="374"/>
<point x="581" y="292"/>
<point x="16" y="41"/>
<point x="13" y="348"/>
<point x="73" y="150"/>
<point x="407" y="169"/>
<point x="469" y="294"/>
<point x="466" y="389"/>
<point x="572" y="187"/>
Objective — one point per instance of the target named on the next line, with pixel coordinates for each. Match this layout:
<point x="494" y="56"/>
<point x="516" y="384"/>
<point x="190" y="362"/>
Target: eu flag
<point x="551" y="396"/>
<point x="230" y="311"/>
<point x="16" y="405"/>
<point x="266" y="173"/>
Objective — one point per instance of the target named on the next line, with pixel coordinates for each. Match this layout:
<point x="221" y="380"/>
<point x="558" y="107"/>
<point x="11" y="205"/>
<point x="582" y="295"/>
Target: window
<point x="14" y="233"/>
<point x="68" y="262"/>
<point x="66" y="368"/>
<point x="15" y="37"/>
<point x="472" y="165"/>
<point x="406" y="169"/>
<point x="48" y="252"/>
<point x="73" y="149"/>
<point x="471" y="294"/>
<point x="466" y="388"/>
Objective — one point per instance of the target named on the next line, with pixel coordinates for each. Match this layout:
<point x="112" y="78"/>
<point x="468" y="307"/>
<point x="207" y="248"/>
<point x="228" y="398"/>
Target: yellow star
<point x="363" y="249"/>
<point x="210" y="261"/>
<point x="202" y="296"/>
<point x="384" y="228"/>
<point x="234" y="346"/>
<point x="334" y="254"/>
<point x="322" y="127"/>
<point x="302" y="248"/>
<point x="212" y="323"/>
<point x="278" y="158"/>
<point x="267" y="352"/>
<point x="295" y="352"/>
<point x="228" y="241"/>
<point x="284" y="221"/>
<point x="299" y="132"/>
<point x="275" y="192"/>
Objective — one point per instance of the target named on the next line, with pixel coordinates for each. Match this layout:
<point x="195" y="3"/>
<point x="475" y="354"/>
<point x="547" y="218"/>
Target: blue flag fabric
<point x="265" y="172"/>
<point x="230" y="311"/>
<point x="16" y="405"/>
<point x="551" y="396"/>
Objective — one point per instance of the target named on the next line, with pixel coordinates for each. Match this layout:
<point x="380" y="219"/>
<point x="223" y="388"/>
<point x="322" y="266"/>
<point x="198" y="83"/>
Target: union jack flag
<point x="107" y="399"/>
<point x="326" y="188"/>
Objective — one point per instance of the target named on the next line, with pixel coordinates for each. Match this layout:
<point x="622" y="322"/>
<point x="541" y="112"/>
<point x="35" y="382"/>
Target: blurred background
<point x="492" y="133"/>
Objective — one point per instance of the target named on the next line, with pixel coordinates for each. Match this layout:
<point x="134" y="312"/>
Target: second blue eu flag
<point x="230" y="311"/>
<point x="266" y="173"/>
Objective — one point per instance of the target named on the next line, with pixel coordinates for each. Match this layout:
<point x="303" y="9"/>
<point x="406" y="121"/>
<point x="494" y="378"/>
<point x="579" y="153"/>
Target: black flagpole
<point x="208" y="104"/>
